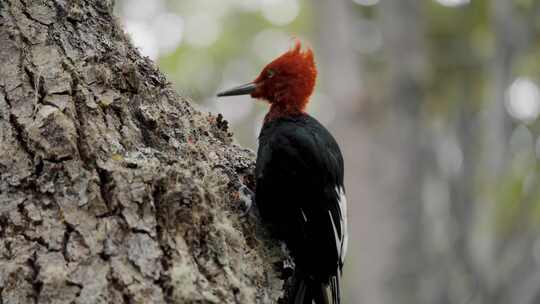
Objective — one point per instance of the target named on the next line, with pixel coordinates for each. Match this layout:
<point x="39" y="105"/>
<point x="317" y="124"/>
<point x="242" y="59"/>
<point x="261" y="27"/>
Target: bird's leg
<point x="247" y="197"/>
<point x="288" y="265"/>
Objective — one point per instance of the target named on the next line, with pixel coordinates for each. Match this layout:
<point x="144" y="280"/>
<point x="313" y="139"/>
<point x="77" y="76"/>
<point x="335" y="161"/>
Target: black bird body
<point x="300" y="194"/>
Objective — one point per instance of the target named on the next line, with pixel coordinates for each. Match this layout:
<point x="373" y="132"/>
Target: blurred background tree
<point x="435" y="104"/>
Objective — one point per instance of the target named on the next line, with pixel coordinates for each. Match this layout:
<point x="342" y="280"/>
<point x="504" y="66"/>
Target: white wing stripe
<point x="336" y="236"/>
<point x="342" y="203"/>
<point x="303" y="215"/>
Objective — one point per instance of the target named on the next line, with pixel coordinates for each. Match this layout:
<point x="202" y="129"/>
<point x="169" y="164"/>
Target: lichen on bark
<point x="113" y="188"/>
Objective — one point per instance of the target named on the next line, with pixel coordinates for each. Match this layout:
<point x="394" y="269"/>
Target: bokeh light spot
<point x="280" y="12"/>
<point x="523" y="100"/>
<point x="453" y="3"/>
<point x="366" y="2"/>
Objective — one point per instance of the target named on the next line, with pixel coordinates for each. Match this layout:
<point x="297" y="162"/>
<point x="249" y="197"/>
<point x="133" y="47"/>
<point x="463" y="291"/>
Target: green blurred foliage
<point x="238" y="28"/>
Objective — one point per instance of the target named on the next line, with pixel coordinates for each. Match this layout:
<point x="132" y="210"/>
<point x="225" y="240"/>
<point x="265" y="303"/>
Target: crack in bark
<point x="141" y="231"/>
<point x="18" y="128"/>
<point x="65" y="240"/>
<point x="19" y="135"/>
<point x="38" y="168"/>
<point x="3" y="224"/>
<point x="80" y="286"/>
<point x="59" y="160"/>
<point x="164" y="280"/>
<point x="105" y="179"/>
<point x="114" y="212"/>
<point x="118" y="286"/>
<point x="36" y="284"/>
<point x="39" y="240"/>
<point x="78" y="101"/>
<point x="22" y="211"/>
<point x="145" y="128"/>
<point x="80" y="120"/>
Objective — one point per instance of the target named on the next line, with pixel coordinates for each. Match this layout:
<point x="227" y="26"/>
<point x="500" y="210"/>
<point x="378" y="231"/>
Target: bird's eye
<point x="270" y="73"/>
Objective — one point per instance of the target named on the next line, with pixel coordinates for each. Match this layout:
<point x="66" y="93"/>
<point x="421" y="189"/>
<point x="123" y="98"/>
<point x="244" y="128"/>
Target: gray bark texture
<point x="114" y="189"/>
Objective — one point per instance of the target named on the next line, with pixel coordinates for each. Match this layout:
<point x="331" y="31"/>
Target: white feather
<point x="303" y="215"/>
<point x="336" y="235"/>
<point x="342" y="203"/>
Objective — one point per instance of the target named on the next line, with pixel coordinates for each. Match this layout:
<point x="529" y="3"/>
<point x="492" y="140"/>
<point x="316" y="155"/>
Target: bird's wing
<point x="307" y="157"/>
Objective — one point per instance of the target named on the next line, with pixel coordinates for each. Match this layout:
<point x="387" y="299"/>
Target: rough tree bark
<point x="112" y="187"/>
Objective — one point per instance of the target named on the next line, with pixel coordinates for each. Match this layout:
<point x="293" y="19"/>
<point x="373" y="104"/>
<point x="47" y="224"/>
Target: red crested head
<point x="286" y="83"/>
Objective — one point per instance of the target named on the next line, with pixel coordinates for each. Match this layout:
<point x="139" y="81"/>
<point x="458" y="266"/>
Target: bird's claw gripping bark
<point x="287" y="265"/>
<point x="248" y="198"/>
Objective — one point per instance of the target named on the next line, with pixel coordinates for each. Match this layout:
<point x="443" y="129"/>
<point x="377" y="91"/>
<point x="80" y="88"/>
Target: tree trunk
<point x="113" y="189"/>
<point x="403" y="35"/>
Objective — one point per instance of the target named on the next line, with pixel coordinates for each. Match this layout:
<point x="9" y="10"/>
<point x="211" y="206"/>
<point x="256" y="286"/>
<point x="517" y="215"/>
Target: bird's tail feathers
<point x="335" y="289"/>
<point x="300" y="292"/>
<point x="309" y="291"/>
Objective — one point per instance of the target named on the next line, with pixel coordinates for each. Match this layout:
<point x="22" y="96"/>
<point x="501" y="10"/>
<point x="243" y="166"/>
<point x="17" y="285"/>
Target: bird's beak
<point x="240" y="90"/>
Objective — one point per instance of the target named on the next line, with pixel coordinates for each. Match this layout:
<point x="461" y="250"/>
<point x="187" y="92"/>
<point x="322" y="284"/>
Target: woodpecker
<point x="299" y="177"/>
